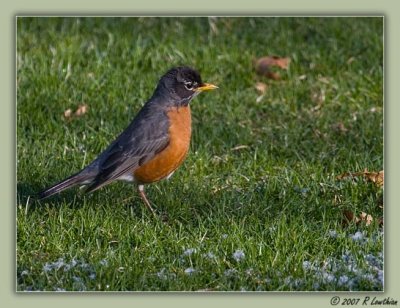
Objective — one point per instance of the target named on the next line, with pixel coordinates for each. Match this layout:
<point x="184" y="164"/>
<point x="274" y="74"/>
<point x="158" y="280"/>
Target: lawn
<point x="259" y="203"/>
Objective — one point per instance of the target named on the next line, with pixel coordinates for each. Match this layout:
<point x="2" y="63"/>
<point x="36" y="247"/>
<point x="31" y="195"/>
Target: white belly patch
<point x="127" y="177"/>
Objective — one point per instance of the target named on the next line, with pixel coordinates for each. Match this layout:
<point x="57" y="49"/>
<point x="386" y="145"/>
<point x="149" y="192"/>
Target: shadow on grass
<point x="187" y="207"/>
<point x="27" y="195"/>
<point x="74" y="198"/>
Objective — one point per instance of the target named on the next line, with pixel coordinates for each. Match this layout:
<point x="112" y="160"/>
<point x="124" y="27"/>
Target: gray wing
<point x="146" y="136"/>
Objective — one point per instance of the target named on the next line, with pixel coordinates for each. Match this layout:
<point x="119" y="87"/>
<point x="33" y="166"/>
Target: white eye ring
<point x="189" y="85"/>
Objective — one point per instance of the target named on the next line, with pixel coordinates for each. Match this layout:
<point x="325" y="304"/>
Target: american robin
<point x="155" y="143"/>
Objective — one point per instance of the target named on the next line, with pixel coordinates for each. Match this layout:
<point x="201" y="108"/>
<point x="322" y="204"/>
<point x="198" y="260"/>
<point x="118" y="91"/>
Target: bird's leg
<point x="144" y="198"/>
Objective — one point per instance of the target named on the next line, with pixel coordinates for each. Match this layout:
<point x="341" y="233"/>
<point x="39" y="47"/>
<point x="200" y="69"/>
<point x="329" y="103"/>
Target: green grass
<point x="265" y="217"/>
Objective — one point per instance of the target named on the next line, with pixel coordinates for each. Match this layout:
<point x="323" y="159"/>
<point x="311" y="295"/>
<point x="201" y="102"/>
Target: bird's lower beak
<point x="206" y="87"/>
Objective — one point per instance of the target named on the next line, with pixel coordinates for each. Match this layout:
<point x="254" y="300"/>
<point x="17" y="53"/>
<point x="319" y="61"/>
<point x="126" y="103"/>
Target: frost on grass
<point x="104" y="262"/>
<point x="306" y="265"/>
<point x="358" y="236"/>
<point x="163" y="274"/>
<point x="210" y="256"/>
<point x="78" y="284"/>
<point x="332" y="234"/>
<point x="61" y="266"/>
<point x="349" y="271"/>
<point x="238" y="255"/>
<point x="230" y="272"/>
<point x="188" y="252"/>
<point x="292" y="283"/>
<point x="343" y="280"/>
<point x="54" y="265"/>
<point x="190" y="271"/>
<point x="249" y="271"/>
<point x="64" y="265"/>
<point x="346" y="273"/>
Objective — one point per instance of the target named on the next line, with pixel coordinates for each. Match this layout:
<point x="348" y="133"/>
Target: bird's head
<point x="182" y="84"/>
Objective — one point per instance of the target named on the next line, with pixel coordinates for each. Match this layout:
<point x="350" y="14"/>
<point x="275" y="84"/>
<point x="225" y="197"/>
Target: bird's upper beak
<point x="206" y="87"/>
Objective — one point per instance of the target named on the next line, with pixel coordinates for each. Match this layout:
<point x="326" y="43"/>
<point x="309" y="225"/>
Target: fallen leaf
<point x="217" y="189"/>
<point x="363" y="217"/>
<point x="261" y="87"/>
<point x="316" y="108"/>
<point x="68" y="113"/>
<point x="375" y="177"/>
<point x="345" y="175"/>
<point x="324" y="80"/>
<point x="269" y="61"/>
<point x="273" y="75"/>
<point x="366" y="218"/>
<point x="339" y="127"/>
<point x="82" y="109"/>
<point x="263" y="66"/>
<point x="259" y="98"/>
<point x="349" y="217"/>
<point x="239" y="147"/>
<point x="351" y="59"/>
<point x="318" y="97"/>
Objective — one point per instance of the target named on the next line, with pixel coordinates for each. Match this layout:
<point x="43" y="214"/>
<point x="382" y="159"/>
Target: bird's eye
<point x="189" y="85"/>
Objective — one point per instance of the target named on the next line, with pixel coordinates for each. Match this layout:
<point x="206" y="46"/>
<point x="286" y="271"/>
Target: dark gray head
<point x="181" y="84"/>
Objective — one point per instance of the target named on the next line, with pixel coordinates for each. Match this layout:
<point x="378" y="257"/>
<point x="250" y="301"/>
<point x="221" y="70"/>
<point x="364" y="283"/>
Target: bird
<point x="153" y="145"/>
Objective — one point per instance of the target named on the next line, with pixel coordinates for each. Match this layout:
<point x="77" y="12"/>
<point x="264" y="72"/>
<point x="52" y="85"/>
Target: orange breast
<point x="168" y="160"/>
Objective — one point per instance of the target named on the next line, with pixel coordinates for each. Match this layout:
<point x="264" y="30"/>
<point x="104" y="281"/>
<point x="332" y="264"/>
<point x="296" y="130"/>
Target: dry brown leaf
<point x="239" y="147"/>
<point x="82" y="109"/>
<point x="263" y="66"/>
<point x="273" y="75"/>
<point x="351" y="59"/>
<point x="324" y="80"/>
<point x="318" y="97"/>
<point x="366" y="218"/>
<point x="269" y="61"/>
<point x="349" y="217"/>
<point x="68" y="113"/>
<point x="261" y="87"/>
<point x="339" y="127"/>
<point x="344" y="175"/>
<point x="259" y="98"/>
<point x="375" y="177"/>
<point x="363" y="217"/>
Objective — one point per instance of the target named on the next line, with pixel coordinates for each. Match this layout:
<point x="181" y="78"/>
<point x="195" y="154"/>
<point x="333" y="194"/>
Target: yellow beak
<point x="206" y="87"/>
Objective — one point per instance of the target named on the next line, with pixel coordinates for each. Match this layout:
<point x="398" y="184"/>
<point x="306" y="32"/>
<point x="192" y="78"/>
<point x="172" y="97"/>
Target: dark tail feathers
<point x="72" y="181"/>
